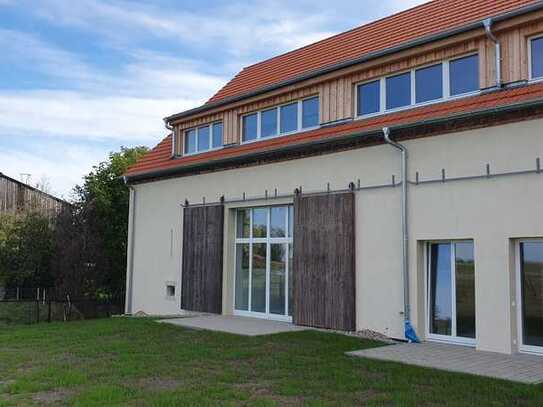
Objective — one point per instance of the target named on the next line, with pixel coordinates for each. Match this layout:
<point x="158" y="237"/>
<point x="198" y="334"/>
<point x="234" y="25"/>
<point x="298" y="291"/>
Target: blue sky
<point x="79" y="79"/>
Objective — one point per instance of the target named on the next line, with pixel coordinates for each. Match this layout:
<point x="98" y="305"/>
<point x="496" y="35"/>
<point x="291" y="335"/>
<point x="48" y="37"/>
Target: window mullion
<point x="299" y="114"/>
<point x="383" y="95"/>
<point x="278" y="112"/>
<point x="446" y="80"/>
<point x="258" y="124"/>
<point x="413" y="87"/>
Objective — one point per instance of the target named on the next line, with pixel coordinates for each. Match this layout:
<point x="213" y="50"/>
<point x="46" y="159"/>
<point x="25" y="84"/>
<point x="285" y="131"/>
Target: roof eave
<point x="346" y="64"/>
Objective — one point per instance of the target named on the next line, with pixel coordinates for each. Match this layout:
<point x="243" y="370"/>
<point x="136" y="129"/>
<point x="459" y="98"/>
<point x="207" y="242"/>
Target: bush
<point x="26" y="250"/>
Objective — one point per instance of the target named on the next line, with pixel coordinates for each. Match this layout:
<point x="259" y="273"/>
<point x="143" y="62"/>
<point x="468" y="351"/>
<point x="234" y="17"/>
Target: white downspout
<point x="408" y="329"/>
<point x="130" y="251"/>
<point x="488" y="29"/>
<point x="169" y="127"/>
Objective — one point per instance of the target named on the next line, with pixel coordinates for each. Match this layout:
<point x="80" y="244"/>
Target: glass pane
<point x="369" y="98"/>
<point x="465" y="290"/>
<point x="289" y="118"/>
<point x="260" y="222"/>
<point x="242" y="276"/>
<point x="217" y="135"/>
<point x="290" y="279"/>
<point x="310" y="112"/>
<point x="258" y="281"/>
<point x="268" y="123"/>
<point x="440" y="289"/>
<point x="244" y="223"/>
<point x="250" y="127"/>
<point x="290" y="221"/>
<point x="537" y="58"/>
<point x="278" y="259"/>
<point x="203" y="138"/>
<point x="399" y="90"/>
<point x="531" y="256"/>
<point x="278" y="227"/>
<point x="190" y="141"/>
<point x="429" y="83"/>
<point x="464" y="75"/>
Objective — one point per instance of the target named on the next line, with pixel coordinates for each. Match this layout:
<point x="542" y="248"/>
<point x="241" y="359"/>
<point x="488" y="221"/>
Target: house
<point x="386" y="178"/>
<point x="16" y="197"/>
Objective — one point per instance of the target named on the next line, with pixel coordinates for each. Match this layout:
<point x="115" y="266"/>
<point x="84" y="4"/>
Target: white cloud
<point x="242" y="29"/>
<point x="63" y="164"/>
<point x="47" y="113"/>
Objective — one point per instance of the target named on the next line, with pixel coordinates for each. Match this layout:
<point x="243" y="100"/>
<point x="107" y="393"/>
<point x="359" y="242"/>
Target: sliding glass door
<point x="263" y="280"/>
<point x="451" y="292"/>
<point x="530" y="293"/>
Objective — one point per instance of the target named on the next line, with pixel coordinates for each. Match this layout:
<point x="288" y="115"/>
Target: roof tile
<point x="425" y="20"/>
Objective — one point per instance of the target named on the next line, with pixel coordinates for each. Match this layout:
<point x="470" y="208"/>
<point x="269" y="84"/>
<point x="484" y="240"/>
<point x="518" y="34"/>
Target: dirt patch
<point x="367" y="395"/>
<point x="51" y="397"/>
<point x="264" y="390"/>
<point x="158" y="384"/>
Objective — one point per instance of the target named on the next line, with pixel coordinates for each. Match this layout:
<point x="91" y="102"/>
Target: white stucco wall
<point x="490" y="211"/>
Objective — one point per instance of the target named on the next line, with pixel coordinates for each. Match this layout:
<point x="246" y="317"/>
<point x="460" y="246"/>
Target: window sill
<point x="280" y="135"/>
<point x="422" y="104"/>
<point x="200" y="152"/>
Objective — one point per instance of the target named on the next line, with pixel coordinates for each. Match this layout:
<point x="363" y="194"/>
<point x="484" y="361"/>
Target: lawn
<point x="139" y="362"/>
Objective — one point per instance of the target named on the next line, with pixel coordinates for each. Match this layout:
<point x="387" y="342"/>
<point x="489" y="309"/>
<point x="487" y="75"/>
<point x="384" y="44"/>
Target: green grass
<point x="138" y="362"/>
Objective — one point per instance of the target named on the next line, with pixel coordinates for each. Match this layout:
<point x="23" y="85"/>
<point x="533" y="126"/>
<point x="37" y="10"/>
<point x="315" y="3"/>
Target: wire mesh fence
<point x="31" y="305"/>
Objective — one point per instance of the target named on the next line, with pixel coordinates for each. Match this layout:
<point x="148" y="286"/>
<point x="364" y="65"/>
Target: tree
<point x="44" y="185"/>
<point x="26" y="250"/>
<point x="92" y="238"/>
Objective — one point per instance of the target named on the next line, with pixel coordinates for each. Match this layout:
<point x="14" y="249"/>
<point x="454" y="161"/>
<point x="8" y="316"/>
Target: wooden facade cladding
<point x="324" y="261"/>
<point x="17" y="197"/>
<point x="336" y="90"/>
<point x="201" y="285"/>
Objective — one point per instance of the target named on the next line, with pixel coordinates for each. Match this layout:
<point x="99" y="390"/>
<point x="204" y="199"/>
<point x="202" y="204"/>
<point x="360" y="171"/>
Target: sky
<point x="79" y="79"/>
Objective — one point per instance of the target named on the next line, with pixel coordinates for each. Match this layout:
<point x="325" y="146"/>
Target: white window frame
<point x="268" y="240"/>
<point x="530" y="70"/>
<point x="453" y="338"/>
<point x="446" y="91"/>
<point x="197" y="129"/>
<point x="531" y="349"/>
<point x="299" y="128"/>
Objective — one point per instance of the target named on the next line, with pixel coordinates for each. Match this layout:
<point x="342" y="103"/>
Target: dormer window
<point x="464" y="75"/>
<point x="203" y="138"/>
<point x="398" y="91"/>
<point x="281" y="120"/>
<point x="429" y="84"/>
<point x="536" y="58"/>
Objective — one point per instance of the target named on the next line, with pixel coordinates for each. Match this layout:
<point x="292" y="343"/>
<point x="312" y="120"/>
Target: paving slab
<point x="234" y="324"/>
<point x="517" y="367"/>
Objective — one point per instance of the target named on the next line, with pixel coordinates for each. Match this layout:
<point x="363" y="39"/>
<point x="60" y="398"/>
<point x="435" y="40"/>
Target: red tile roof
<point x="425" y="20"/>
<point x="160" y="157"/>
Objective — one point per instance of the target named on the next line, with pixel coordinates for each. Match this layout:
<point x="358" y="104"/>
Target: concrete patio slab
<point x="519" y="367"/>
<point x="234" y="324"/>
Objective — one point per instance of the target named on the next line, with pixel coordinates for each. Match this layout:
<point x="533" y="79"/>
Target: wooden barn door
<point x="324" y="261"/>
<point x="201" y="282"/>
